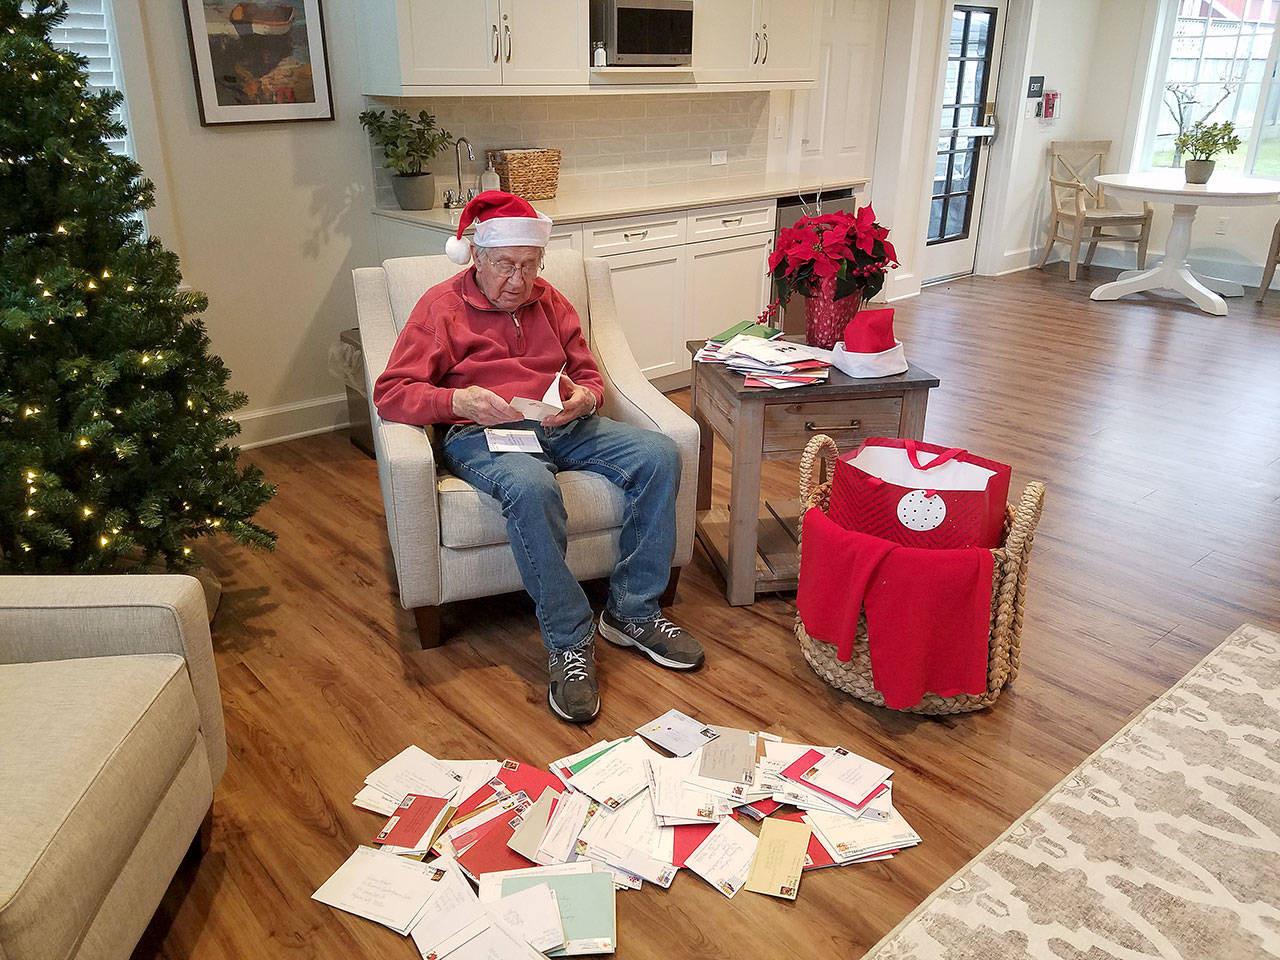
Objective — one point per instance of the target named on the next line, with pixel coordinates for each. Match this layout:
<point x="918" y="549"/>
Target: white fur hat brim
<point x="513" y="231"/>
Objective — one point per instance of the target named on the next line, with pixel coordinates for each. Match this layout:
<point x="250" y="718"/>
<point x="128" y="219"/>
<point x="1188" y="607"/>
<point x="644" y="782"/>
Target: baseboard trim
<point x="291" y="421"/>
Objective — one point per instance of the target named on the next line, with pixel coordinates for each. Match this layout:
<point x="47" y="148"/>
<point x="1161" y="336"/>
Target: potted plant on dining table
<point x="835" y="261"/>
<point x="1202" y="141"/>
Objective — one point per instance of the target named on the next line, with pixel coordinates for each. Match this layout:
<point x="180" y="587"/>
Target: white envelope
<point x="548" y="406"/>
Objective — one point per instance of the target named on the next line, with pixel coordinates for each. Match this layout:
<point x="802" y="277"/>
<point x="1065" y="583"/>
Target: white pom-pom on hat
<point x="458" y="249"/>
<point x="502" y="220"/>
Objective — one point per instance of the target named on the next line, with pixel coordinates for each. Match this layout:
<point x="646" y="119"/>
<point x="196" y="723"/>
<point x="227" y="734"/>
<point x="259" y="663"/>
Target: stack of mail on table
<point x="547" y="849"/>
<point x="769" y="363"/>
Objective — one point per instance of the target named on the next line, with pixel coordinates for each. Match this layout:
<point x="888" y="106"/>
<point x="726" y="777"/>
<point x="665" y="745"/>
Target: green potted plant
<point x="1201" y="142"/>
<point x="408" y="145"/>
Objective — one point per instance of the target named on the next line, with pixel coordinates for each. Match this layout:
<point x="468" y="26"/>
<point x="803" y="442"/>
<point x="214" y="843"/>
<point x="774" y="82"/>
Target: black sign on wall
<point x="1035" y="88"/>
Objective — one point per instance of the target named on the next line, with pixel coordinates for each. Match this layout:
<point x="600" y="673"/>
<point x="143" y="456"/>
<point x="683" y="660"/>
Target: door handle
<point x="765" y="58"/>
<point x="639" y="233"/>
<point x="755" y="57"/>
<point x="507" y="32"/>
<point x="496" y="43"/>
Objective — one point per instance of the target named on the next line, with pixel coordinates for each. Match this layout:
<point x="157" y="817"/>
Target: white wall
<point x="269" y="219"/>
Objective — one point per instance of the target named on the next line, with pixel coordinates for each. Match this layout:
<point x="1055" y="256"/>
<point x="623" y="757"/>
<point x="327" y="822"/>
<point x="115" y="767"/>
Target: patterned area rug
<point x="1163" y="843"/>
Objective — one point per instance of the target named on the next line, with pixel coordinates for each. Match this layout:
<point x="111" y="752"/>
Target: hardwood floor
<point x="1157" y="430"/>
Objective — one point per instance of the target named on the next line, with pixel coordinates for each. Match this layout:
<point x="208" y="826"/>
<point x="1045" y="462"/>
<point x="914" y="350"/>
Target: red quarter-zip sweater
<point x="456" y="338"/>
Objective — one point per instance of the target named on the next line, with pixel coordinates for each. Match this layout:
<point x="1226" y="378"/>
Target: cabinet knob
<point x="639" y="233"/>
<point x="730" y="221"/>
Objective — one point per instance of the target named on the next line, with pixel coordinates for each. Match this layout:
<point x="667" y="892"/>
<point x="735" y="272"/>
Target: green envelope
<point x="587" y="910"/>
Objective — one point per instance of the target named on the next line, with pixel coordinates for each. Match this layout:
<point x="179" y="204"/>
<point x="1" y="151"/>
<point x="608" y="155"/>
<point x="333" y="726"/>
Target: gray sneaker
<point x="659" y="639"/>
<point x="574" y="693"/>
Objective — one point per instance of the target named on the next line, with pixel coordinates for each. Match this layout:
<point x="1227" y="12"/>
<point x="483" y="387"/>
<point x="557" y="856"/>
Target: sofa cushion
<point x="88" y="748"/>
<point x="469" y="518"/>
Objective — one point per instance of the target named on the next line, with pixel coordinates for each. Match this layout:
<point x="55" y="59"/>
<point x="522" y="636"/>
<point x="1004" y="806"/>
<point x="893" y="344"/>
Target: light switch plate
<point x="718" y="157"/>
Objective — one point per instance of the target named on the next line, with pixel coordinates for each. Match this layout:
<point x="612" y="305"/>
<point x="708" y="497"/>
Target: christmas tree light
<point x="82" y="489"/>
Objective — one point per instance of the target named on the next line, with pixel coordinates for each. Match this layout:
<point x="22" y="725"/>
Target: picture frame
<point x="259" y="62"/>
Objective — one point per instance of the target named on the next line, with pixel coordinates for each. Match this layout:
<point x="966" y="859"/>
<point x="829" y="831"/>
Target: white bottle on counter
<point x="489" y="179"/>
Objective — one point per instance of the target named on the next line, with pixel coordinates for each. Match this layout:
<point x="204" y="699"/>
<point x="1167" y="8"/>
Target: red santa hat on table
<point x="869" y="348"/>
<point x="502" y="220"/>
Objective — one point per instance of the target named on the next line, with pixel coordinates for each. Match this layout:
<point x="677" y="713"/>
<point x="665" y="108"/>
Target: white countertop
<point x="606" y="204"/>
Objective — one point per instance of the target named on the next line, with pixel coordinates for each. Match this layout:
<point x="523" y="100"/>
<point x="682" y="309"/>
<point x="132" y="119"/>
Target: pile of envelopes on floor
<point x="547" y="849"/>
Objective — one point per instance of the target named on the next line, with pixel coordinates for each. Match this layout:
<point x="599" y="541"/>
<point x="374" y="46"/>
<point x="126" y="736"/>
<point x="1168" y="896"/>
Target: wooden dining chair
<point x="1269" y="267"/>
<point x="1081" y="213"/>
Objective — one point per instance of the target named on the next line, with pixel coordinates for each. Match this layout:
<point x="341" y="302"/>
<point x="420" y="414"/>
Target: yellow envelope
<point x="779" y="858"/>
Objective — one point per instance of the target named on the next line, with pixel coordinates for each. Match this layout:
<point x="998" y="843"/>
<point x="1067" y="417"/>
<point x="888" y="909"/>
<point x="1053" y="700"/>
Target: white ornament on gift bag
<point x="919" y="511"/>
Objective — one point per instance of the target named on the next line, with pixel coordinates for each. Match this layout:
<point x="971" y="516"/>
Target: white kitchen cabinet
<point x="420" y="43"/>
<point x="765" y="40"/>
<point x="566" y="238"/>
<point x="725" y="282"/>
<point x="649" y="290"/>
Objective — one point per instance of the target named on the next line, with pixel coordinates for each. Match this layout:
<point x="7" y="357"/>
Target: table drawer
<point x="788" y="427"/>
<point x="731" y="220"/>
<point x="602" y="238"/>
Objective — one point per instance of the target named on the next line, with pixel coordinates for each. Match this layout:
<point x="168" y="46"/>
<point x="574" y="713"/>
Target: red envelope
<point x="413" y="822"/>
<point x="688" y="837"/>
<point x="512" y="777"/>
<point x="491" y="852"/>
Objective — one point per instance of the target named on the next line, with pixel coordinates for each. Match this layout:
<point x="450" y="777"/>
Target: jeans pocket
<point x="458" y="430"/>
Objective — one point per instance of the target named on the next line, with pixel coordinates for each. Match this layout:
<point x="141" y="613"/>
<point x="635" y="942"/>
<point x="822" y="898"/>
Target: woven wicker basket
<point x="1008" y="596"/>
<point x="532" y="174"/>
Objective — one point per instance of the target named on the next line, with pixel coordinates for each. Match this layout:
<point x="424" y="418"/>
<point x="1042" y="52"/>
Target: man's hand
<point x="483" y="406"/>
<point x="581" y="402"/>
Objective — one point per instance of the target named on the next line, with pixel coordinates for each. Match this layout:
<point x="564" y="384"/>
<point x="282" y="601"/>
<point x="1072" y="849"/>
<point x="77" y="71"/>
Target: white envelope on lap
<point x="548" y="406"/>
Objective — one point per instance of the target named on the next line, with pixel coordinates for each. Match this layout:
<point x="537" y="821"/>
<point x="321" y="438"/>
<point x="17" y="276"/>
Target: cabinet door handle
<point x="814" y="427"/>
<point x="765" y="58"/>
<point x="496" y="43"/>
<point x="730" y="221"/>
<point x="755" y="57"/>
<point x="507" y="31"/>
<point x="639" y="233"/>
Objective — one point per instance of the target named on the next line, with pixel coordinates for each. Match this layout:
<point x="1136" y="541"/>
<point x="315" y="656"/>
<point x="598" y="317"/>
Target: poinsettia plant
<point x="832" y="255"/>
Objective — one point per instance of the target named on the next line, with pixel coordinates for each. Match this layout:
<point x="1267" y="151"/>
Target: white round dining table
<point x="1173" y="272"/>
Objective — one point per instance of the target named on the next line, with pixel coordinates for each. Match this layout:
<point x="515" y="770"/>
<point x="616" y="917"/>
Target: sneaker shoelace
<point x="663" y="625"/>
<point x="575" y="665"/>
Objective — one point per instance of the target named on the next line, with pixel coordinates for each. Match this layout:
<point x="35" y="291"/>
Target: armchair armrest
<point x="1077" y="189"/>
<point x="70" y="617"/>
<point x="406" y="460"/>
<point x="630" y="398"/>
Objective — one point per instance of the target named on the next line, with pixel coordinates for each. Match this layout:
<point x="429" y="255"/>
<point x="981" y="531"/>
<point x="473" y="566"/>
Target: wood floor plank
<point x="1157" y="430"/>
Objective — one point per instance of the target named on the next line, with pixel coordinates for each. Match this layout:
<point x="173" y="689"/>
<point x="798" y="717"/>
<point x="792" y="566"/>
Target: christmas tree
<point x="114" y="416"/>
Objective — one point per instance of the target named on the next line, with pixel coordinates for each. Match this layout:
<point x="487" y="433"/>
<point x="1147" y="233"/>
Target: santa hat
<point x="502" y="220"/>
<point x="869" y="348"/>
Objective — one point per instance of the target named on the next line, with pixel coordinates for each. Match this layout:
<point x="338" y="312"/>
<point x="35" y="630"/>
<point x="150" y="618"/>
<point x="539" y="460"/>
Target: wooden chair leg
<point x="1093" y="246"/>
<point x="1048" y="244"/>
<point x="1270" y="269"/>
<point x="428" y="622"/>
<point x="1074" y="261"/>
<point x="1143" y="237"/>
<point x="669" y="595"/>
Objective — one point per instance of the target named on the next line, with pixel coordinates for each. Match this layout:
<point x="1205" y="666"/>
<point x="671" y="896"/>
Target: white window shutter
<point x="89" y="30"/>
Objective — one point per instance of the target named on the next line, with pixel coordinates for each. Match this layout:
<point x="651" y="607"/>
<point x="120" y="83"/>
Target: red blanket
<point x="928" y="611"/>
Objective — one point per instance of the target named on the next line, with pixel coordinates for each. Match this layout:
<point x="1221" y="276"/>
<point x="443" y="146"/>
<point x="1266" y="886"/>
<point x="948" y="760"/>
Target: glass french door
<point x="966" y="127"/>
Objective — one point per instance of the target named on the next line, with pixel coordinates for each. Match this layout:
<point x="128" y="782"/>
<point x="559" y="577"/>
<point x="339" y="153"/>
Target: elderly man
<point x="497" y="331"/>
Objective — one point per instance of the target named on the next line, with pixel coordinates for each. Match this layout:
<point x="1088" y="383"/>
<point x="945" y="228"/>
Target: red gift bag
<point x="920" y="494"/>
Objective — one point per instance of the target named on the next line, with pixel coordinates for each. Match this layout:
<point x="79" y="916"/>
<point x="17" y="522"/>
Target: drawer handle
<point x="813" y="427"/>
<point x="730" y="221"/>
<point x="639" y="233"/>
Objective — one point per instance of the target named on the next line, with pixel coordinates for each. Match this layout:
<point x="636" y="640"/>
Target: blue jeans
<point x="644" y="463"/>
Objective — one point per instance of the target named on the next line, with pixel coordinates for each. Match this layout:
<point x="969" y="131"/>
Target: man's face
<point x="505" y="274"/>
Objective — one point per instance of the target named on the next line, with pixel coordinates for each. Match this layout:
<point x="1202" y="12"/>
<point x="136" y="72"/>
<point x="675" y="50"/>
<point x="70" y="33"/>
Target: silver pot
<point x="415" y="191"/>
<point x="1198" y="171"/>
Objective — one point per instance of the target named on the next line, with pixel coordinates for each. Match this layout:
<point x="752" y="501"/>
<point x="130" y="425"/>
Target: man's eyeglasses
<point x="509" y="270"/>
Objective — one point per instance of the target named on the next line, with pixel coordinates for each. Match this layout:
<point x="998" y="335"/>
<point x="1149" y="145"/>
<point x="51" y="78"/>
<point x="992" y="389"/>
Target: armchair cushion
<point x="469" y="518"/>
<point x="88" y="741"/>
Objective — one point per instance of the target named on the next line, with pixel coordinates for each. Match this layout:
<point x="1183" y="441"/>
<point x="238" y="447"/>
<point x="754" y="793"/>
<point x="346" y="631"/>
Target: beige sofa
<point x="111" y="744"/>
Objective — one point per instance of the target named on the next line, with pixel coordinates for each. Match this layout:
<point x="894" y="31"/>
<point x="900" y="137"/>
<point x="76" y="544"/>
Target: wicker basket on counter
<point x="530" y="173"/>
<point x="1008" y="599"/>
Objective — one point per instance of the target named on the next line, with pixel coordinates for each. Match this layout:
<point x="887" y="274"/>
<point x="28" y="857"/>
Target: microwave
<point x="644" y="33"/>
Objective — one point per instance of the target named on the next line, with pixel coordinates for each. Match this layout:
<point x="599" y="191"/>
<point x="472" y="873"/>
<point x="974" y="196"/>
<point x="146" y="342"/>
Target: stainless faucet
<point x="463" y="197"/>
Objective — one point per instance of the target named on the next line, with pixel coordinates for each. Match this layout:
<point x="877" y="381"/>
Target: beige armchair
<point x="448" y="539"/>
<point x="111" y="745"/>
<point x="1079" y="205"/>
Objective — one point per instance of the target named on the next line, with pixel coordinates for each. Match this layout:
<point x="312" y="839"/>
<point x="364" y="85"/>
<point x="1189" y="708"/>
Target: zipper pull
<point x="516" y="321"/>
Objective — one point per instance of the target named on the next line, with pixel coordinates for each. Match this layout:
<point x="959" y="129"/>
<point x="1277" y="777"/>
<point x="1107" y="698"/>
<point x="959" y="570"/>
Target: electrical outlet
<point x="1222" y="227"/>
<point x="779" y="126"/>
<point x="718" y="157"/>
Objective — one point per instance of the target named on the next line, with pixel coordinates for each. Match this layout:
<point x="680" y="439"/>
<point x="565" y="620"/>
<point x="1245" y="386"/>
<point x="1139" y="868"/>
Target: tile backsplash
<point x="605" y="141"/>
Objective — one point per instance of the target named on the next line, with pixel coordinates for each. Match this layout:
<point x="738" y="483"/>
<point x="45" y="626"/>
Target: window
<point x="89" y="30"/>
<point x="1220" y="65"/>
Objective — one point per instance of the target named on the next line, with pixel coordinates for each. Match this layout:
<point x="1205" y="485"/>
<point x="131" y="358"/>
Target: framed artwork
<point x="259" y="62"/>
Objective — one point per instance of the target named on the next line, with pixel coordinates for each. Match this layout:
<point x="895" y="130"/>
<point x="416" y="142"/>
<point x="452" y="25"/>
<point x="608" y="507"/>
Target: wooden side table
<point x="754" y="547"/>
